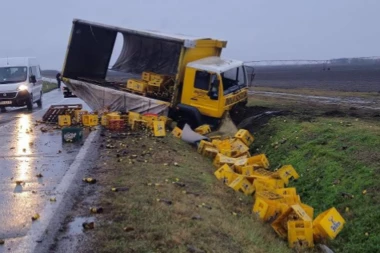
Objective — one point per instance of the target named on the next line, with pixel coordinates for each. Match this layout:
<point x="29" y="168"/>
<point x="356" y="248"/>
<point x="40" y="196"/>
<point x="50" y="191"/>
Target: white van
<point x="20" y="82"/>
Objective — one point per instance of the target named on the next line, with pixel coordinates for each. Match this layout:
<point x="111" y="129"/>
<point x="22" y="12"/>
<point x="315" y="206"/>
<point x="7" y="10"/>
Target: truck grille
<point x="7" y="95"/>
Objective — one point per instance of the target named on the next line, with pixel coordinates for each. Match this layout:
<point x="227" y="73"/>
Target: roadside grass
<point x="185" y="225"/>
<point x="47" y="86"/>
<point x="338" y="159"/>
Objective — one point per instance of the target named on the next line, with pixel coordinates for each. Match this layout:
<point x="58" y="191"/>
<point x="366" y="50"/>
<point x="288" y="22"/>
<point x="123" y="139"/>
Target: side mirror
<point x="32" y="79"/>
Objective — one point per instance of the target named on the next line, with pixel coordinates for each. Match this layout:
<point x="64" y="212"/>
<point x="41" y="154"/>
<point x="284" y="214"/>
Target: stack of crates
<point x="155" y="81"/>
<point x="90" y="120"/>
<point x="138" y="86"/>
<point x="79" y="115"/>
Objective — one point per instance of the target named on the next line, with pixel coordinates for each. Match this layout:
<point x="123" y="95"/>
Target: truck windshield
<point x="234" y="79"/>
<point x="13" y="74"/>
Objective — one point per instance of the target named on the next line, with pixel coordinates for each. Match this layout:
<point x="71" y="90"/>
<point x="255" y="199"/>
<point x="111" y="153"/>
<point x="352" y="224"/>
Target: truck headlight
<point x="22" y="87"/>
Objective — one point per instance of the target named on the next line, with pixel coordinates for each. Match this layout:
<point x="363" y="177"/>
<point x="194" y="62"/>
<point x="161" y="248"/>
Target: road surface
<point x="25" y="152"/>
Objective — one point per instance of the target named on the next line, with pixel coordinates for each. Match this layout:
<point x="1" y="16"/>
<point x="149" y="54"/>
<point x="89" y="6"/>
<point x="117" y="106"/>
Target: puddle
<point x="75" y="227"/>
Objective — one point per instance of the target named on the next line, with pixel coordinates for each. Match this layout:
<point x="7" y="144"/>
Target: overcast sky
<point x="255" y="30"/>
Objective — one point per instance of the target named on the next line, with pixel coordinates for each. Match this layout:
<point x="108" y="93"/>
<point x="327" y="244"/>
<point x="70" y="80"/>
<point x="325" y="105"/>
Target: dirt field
<point x="338" y="78"/>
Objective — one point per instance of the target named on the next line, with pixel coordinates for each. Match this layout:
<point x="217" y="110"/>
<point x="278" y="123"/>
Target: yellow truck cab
<point x="179" y="75"/>
<point x="213" y="85"/>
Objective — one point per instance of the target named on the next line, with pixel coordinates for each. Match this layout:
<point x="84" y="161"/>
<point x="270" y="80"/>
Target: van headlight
<point x="22" y="87"/>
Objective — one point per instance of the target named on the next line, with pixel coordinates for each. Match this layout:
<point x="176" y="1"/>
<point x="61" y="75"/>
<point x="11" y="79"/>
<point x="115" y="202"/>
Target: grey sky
<point x="255" y="30"/>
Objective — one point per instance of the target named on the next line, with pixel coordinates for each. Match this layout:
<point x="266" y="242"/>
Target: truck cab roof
<point x="215" y="64"/>
<point x="18" y="61"/>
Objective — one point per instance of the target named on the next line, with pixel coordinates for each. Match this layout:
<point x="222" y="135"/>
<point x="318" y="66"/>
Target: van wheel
<point x="29" y="103"/>
<point x="39" y="102"/>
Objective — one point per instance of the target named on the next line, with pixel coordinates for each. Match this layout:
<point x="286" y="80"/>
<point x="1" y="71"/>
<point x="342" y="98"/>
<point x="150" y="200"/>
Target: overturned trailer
<point x="200" y="86"/>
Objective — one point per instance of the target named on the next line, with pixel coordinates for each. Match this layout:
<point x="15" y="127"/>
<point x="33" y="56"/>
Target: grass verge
<point x="338" y="159"/>
<point x="203" y="215"/>
<point x="47" y="86"/>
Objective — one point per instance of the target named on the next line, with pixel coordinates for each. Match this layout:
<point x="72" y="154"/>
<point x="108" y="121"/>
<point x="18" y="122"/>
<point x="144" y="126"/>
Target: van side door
<point x="37" y="87"/>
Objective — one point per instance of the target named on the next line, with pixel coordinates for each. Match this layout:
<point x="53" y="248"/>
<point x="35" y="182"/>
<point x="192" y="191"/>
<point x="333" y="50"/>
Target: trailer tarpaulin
<point x="141" y="53"/>
<point x="99" y="98"/>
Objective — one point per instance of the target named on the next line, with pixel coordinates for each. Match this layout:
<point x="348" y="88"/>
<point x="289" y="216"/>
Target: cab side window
<point x="36" y="72"/>
<point x="202" y="80"/>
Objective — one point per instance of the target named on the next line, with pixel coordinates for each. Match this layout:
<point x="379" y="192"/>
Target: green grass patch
<point x="47" y="86"/>
<point x="336" y="157"/>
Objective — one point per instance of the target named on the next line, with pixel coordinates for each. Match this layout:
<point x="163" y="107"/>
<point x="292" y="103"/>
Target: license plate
<point x="5" y="102"/>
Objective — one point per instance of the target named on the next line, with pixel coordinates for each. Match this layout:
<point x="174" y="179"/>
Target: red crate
<point x="116" y="124"/>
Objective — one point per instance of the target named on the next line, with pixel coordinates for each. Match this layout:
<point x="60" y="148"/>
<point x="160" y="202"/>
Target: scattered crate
<point x="51" y="115"/>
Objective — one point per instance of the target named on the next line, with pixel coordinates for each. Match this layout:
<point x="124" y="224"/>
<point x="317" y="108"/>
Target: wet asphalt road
<point x="25" y="152"/>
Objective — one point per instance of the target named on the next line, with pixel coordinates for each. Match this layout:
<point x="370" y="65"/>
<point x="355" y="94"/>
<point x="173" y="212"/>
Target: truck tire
<point x="39" y="102"/>
<point x="29" y="103"/>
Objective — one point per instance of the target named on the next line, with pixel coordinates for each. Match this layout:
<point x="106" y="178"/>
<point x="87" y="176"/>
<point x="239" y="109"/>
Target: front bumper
<point x="19" y="98"/>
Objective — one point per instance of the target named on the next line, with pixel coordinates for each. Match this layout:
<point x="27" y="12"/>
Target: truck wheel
<point x="29" y="103"/>
<point x="39" y="102"/>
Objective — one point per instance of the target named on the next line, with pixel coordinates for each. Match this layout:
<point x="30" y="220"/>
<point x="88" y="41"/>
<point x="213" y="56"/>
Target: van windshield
<point x="13" y="74"/>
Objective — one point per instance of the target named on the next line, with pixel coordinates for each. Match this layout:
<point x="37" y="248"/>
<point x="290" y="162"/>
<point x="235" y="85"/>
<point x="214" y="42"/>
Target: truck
<point x="191" y="79"/>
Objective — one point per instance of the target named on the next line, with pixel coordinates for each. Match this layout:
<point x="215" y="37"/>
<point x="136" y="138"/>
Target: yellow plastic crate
<point x="113" y="116"/>
<point x="294" y="212"/>
<point x="308" y="209"/>
<point x="204" y="129"/>
<point x="245" y="137"/>
<point x="202" y="145"/>
<point x="139" y="124"/>
<point x="90" y="120"/>
<point x="150" y="118"/>
<point x="259" y="160"/>
<point x="146" y="76"/>
<point x="133" y="116"/>
<point x="290" y="195"/>
<point x="177" y="132"/>
<point x="263" y="184"/>
<point x="78" y="115"/>
<point x="104" y="120"/>
<point x="300" y="234"/>
<point x="286" y="172"/>
<point x="266" y="210"/>
<point x="242" y="184"/>
<point x="240" y="163"/>
<point x="263" y="173"/>
<point x="159" y="128"/>
<point x="64" y="120"/>
<point x="229" y="177"/>
<point x="167" y="120"/>
<point x="328" y="224"/>
<point x="247" y="171"/>
<point x="136" y="85"/>
<point x="220" y="160"/>
<point x="210" y="152"/>
<point x="219" y="173"/>
<point x="238" y="148"/>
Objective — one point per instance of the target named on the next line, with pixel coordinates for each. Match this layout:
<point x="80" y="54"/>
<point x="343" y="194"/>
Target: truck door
<point x="205" y="95"/>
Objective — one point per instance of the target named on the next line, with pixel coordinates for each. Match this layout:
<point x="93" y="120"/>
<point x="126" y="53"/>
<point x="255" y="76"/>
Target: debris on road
<point x="88" y="225"/>
<point x="96" y="209"/>
<point x="35" y="217"/>
<point x="89" y="180"/>
<point x="2" y="242"/>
